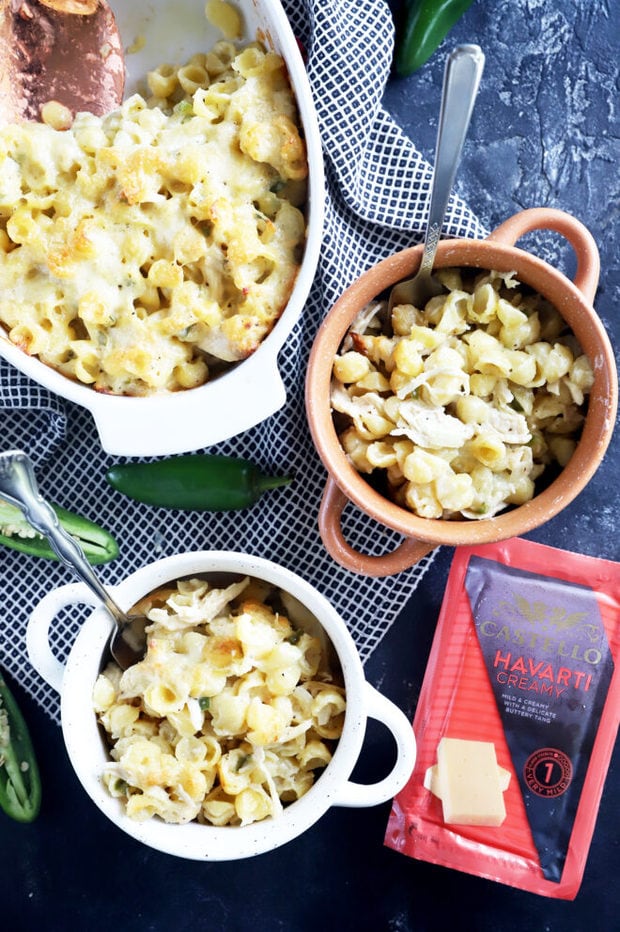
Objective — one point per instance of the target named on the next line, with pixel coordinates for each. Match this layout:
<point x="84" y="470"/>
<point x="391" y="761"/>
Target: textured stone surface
<point x="544" y="132"/>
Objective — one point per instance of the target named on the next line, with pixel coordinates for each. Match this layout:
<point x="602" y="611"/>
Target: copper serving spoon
<point x="18" y="486"/>
<point x="65" y="51"/>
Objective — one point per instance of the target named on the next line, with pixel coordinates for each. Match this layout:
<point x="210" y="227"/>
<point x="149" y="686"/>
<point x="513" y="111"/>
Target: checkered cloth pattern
<point x="376" y="203"/>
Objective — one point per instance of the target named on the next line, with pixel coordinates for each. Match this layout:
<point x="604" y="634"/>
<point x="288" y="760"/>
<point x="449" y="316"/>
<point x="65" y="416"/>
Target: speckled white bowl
<point x="253" y="390"/>
<point x="88" y="753"/>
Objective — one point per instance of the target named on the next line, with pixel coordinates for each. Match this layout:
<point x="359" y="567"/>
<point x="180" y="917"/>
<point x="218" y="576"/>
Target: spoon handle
<point x="460" y="85"/>
<point x="18" y="486"/>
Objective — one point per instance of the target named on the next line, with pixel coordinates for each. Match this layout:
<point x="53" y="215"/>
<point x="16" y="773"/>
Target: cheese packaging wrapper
<point x="517" y="718"/>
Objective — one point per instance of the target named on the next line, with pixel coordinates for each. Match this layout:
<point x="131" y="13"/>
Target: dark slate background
<point x="544" y="132"/>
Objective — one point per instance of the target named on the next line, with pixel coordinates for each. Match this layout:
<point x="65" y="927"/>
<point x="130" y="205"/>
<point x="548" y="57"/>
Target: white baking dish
<point x="249" y="393"/>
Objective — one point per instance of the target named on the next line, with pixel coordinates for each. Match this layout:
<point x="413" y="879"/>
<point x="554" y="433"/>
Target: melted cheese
<point x="136" y="247"/>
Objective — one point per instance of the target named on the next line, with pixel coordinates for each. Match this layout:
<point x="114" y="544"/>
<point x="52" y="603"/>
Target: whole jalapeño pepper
<point x="16" y="533"/>
<point x="197" y="482"/>
<point x="426" y="24"/>
<point x="20" y="783"/>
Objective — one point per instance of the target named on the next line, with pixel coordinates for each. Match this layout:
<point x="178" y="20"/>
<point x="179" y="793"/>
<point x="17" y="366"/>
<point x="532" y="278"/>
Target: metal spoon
<point x="460" y="86"/>
<point x="68" y="51"/>
<point x="18" y="486"/>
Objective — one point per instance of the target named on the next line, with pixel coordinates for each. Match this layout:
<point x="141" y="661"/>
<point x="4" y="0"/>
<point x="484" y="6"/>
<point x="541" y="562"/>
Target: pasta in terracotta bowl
<point x="242" y="724"/>
<point x="155" y="258"/>
<point x="473" y="419"/>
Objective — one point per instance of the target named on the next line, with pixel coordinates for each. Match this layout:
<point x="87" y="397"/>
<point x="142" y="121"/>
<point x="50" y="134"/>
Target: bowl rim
<point x="574" y="308"/>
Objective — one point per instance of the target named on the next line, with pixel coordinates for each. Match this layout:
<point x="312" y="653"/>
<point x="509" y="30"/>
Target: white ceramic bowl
<point x="253" y="390"/>
<point x="88" y="753"/>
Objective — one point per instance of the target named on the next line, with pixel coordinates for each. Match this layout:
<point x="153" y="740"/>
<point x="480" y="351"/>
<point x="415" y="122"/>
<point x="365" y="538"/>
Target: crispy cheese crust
<point x="146" y="250"/>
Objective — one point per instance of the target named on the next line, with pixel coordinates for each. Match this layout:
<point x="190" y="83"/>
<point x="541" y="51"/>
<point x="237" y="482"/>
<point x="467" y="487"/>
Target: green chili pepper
<point x="197" y="481"/>
<point x="15" y="532"/>
<point x="243" y="760"/>
<point x="184" y="108"/>
<point x="20" y="784"/>
<point x="426" y="24"/>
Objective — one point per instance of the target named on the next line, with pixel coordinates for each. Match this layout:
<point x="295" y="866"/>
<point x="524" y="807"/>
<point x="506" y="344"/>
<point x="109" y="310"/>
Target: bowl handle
<point x="405" y="555"/>
<point x="162" y="425"/>
<point x="37" y="632"/>
<point x="580" y="238"/>
<point x="361" y="794"/>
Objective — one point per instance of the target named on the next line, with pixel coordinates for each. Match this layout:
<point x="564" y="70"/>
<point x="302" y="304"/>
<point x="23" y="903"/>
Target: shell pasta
<point x="147" y="250"/>
<point x="228" y="717"/>
<point x="460" y="406"/>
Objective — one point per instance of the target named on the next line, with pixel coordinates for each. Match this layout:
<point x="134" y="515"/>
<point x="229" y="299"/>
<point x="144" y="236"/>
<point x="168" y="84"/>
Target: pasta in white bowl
<point x="145" y="250"/>
<point x="155" y="260"/>
<point x="231" y="715"/>
<point x="243" y="724"/>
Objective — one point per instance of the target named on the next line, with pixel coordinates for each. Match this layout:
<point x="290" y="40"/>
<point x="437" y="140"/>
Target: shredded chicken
<point x="205" y="607"/>
<point x="430" y="426"/>
<point x="362" y="323"/>
<point x="510" y="426"/>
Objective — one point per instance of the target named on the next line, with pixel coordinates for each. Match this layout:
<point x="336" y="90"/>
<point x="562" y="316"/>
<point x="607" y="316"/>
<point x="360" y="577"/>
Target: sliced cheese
<point x="431" y="781"/>
<point x="469" y="782"/>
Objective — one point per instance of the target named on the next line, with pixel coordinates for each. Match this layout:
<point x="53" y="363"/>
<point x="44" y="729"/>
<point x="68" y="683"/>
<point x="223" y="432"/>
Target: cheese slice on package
<point x="469" y="782"/>
<point x="517" y="717"/>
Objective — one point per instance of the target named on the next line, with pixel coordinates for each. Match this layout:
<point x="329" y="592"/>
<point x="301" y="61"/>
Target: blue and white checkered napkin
<point x="377" y="200"/>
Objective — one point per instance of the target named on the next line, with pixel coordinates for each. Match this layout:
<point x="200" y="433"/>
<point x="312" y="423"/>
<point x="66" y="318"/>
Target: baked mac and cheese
<point x="229" y="715"/>
<point x="459" y="407"/>
<point x="146" y="250"/>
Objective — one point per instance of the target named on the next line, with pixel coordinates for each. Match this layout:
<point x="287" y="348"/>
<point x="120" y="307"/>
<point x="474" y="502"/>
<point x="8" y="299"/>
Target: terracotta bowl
<point x="572" y="299"/>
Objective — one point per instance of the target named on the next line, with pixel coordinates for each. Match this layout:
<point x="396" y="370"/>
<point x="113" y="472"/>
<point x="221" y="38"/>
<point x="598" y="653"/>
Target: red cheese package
<point x="517" y="718"/>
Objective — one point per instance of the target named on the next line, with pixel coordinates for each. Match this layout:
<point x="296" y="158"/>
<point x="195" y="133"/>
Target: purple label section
<point x="549" y="663"/>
